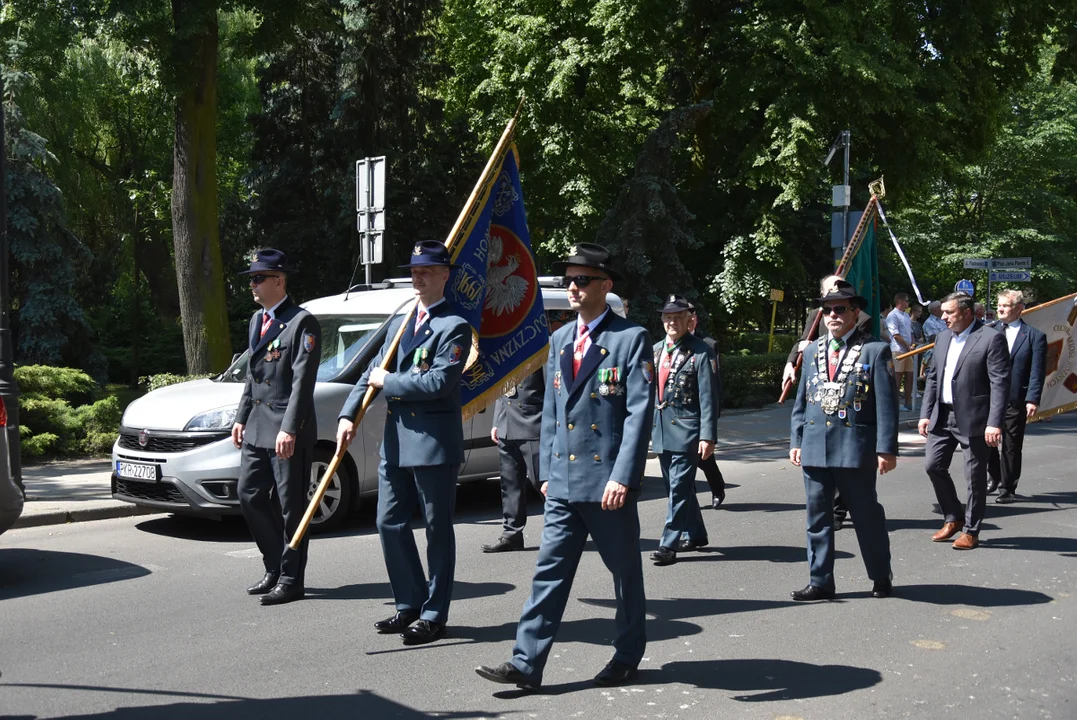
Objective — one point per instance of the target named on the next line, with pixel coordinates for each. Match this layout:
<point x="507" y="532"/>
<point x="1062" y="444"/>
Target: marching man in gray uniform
<point x="844" y="432"/>
<point x="685" y="426"/>
<point x="275" y="426"/>
<point x="422" y="449"/>
<point x="596" y="421"/>
<point x="517" y="422"/>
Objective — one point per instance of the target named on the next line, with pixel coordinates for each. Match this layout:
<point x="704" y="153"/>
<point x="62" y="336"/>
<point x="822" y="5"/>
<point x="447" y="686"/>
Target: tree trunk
<point x="195" y="231"/>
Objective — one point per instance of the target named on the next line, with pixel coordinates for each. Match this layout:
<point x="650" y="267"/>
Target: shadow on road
<point x="363" y="703"/>
<point x="25" y="572"/>
<point x="461" y="590"/>
<point x="969" y="595"/>
<point x="739" y="507"/>
<point x="1066" y="546"/>
<point x="669" y="609"/>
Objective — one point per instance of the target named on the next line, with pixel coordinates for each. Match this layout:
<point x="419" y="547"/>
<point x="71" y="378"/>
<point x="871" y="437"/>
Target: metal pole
<point x="845" y="211"/>
<point x="9" y="390"/>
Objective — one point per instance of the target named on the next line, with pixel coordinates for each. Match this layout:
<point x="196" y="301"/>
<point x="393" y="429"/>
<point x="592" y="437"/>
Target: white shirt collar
<point x="272" y="312"/>
<point x="428" y="309"/>
<point x="591" y="325"/>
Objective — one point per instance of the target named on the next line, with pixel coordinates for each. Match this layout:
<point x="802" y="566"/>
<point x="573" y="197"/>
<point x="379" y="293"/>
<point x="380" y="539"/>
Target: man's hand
<point x="993" y="436"/>
<point x="789" y="375"/>
<point x="614" y="496"/>
<point x="345" y="433"/>
<point x="237" y="435"/>
<point x="377" y="377"/>
<point x="921" y="426"/>
<point x="285" y="445"/>
<point x="887" y="463"/>
<point x="493" y="433"/>
<point x="706" y="449"/>
<point x="543" y="488"/>
<point x="1030" y="410"/>
<point x="794" y="456"/>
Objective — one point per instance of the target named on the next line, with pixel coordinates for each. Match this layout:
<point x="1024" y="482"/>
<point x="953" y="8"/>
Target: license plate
<point x="136" y="471"/>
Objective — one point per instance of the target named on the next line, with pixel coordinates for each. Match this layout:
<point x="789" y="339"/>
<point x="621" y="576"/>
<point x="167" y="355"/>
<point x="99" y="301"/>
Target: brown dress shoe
<point x="966" y="542"/>
<point x="948" y="531"/>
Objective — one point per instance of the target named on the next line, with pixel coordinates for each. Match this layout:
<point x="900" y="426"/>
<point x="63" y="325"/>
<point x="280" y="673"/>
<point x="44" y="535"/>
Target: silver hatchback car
<point x="174" y="452"/>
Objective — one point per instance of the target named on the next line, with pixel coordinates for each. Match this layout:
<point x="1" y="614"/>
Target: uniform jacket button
<point x="828" y="423"/>
<point x="571" y="457"/>
<point x="571" y="426"/>
<point x="413" y="414"/>
<point x="597" y="458"/>
<point x="594" y="427"/>
<point x="557" y="455"/>
<point x="594" y="395"/>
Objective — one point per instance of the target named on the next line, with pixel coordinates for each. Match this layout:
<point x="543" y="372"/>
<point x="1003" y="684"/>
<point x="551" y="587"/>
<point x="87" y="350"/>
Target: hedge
<point x="59" y="413"/>
<point x="752" y="380"/>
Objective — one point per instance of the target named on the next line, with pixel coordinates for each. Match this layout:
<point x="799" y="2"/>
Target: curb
<point x="62" y="517"/>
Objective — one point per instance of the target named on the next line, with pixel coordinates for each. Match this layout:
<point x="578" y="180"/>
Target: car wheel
<point x="337" y="500"/>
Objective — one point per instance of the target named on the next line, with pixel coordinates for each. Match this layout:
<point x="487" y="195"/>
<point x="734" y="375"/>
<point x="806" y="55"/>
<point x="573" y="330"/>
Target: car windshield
<point x="342" y="337"/>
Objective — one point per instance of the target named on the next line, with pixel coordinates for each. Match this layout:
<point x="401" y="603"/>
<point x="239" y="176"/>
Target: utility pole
<point x="9" y="391"/>
<point x="842" y="194"/>
<point x="370" y="210"/>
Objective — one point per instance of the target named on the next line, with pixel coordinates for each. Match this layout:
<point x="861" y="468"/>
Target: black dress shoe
<point x="506" y="543"/>
<point x="506" y="674"/>
<point x="422" y="632"/>
<point x="689" y="544"/>
<point x="992" y="486"/>
<point x="615" y="673"/>
<point x="264" y="585"/>
<point x="1005" y="498"/>
<point x="397" y="623"/>
<point x="664" y="556"/>
<point x="810" y="593"/>
<point x="882" y="589"/>
<point x="717" y="500"/>
<point x="282" y="593"/>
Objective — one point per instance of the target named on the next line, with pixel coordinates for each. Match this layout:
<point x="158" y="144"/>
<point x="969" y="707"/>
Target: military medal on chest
<point x="418" y="360"/>
<point x="609" y="379"/>
<point x="273" y="351"/>
<point x="829" y="394"/>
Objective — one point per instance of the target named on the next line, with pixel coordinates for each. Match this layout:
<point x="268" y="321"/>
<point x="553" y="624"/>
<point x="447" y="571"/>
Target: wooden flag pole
<point x="368" y="397"/>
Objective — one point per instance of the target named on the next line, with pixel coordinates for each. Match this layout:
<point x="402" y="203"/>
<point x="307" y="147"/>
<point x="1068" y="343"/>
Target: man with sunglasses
<point x="596" y="422"/>
<point x="844" y="431"/>
<point x="276" y="426"/>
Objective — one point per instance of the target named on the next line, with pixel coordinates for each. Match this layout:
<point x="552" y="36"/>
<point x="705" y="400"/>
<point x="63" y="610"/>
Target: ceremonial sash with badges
<point x="680" y="393"/>
<point x="829" y="394"/>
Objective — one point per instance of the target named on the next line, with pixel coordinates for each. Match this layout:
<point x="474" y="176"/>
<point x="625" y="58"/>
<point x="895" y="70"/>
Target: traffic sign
<point x="370" y="184"/>
<point x="976" y="263"/>
<point x="965" y="286"/>
<point x="1011" y="276"/>
<point x="777" y="295"/>
<point x="1006" y="263"/>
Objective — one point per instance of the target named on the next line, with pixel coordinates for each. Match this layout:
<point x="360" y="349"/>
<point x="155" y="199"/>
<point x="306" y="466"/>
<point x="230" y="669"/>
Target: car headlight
<point x="219" y="419"/>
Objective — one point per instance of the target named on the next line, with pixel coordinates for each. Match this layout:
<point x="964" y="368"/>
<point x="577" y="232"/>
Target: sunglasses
<point x="581" y="281"/>
<point x="259" y="279"/>
<point x="836" y="309"/>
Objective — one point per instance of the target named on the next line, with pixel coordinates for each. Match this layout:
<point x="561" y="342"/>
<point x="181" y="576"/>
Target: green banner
<point x="864" y="275"/>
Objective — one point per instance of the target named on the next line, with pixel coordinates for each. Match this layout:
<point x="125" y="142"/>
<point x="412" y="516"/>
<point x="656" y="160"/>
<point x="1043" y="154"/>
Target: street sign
<point x="1007" y="263"/>
<point x="777" y="295"/>
<point x="976" y="264"/>
<point x="371" y="247"/>
<point x="965" y="286"/>
<point x="1011" y="276"/>
<point x="370" y="184"/>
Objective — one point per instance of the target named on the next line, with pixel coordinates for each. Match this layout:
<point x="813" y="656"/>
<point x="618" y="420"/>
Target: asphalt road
<point x="146" y="617"/>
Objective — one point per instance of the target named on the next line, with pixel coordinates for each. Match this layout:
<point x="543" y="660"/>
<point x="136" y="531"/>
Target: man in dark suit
<point x="276" y="427"/>
<point x="1028" y="367"/>
<point x="684" y="428"/>
<point x="844" y="432"/>
<point x="964" y="404"/>
<point x="709" y="465"/>
<point x="516" y="426"/>
<point x="422" y="449"/>
<point x="596" y="421"/>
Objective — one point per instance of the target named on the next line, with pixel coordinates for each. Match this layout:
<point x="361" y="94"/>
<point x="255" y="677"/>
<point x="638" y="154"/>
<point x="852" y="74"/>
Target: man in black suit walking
<point x="276" y="427"/>
<point x="1028" y="367"/>
<point x="964" y="403"/>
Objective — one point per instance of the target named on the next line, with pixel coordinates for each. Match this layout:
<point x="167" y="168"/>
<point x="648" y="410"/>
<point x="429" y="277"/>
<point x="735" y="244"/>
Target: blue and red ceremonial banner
<point x="495" y="288"/>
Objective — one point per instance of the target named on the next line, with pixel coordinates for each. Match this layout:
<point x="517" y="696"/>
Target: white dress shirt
<point x="590" y="330"/>
<point x="957" y="343"/>
<point x="1011" y="332"/>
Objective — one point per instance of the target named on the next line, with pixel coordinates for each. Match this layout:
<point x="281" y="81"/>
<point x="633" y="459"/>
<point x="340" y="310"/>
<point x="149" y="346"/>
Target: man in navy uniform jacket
<point x="1028" y="368"/>
<point x="276" y="427"/>
<point x="843" y="432"/>
<point x="422" y="449"/>
<point x="684" y="429"/>
<point x="596" y="422"/>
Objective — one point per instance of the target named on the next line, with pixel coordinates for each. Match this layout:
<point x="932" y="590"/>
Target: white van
<point x="175" y="452"/>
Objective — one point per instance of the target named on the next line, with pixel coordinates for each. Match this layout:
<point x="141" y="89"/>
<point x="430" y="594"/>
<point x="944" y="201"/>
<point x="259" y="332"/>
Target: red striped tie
<point x="419" y="320"/>
<point x="577" y="352"/>
<point x="267" y="320"/>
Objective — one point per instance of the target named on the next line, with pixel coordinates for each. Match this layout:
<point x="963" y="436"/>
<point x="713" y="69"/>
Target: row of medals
<point x="830" y="395"/>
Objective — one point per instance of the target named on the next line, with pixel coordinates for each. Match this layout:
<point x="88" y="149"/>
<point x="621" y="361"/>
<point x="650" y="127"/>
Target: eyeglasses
<point x="836" y="309"/>
<point x="259" y="279"/>
<point x="581" y="281"/>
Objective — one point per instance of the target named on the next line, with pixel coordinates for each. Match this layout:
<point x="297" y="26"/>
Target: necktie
<point x="267" y="320"/>
<point x="419" y="320"/>
<point x="835" y="353"/>
<point x="577" y="351"/>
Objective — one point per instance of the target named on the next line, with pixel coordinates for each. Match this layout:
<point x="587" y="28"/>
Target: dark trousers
<point x="273" y="498"/>
<point x="683" y="515"/>
<point x="1007" y="472"/>
<point x="616" y="537"/>
<point x="857" y="486"/>
<point x="941" y="443"/>
<point x="432" y="491"/>
<point x="518" y="460"/>
<point x="715" y="481"/>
